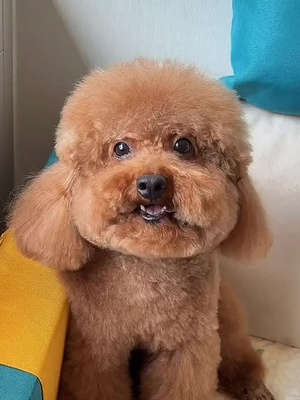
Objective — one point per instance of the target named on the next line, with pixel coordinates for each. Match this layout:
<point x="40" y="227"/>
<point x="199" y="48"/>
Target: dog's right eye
<point x="122" y="149"/>
<point x="183" y="146"/>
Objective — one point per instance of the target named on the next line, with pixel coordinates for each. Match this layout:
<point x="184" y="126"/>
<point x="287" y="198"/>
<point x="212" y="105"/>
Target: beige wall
<point x="58" y="40"/>
<point x="46" y="64"/>
<point x="6" y="132"/>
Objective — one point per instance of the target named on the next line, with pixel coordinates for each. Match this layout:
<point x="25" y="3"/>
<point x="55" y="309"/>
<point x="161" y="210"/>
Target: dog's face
<point x="151" y="159"/>
<point x="158" y="193"/>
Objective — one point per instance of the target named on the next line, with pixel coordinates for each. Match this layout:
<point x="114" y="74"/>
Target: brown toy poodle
<point x="152" y="185"/>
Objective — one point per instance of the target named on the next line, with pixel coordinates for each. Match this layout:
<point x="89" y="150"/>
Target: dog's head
<point x="153" y="162"/>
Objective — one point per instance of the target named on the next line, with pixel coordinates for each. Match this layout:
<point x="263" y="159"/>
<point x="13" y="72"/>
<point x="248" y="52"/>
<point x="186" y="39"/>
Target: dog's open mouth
<point x="154" y="212"/>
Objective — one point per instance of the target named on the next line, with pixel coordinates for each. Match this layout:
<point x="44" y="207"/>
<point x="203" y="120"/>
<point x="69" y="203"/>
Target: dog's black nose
<point x="151" y="187"/>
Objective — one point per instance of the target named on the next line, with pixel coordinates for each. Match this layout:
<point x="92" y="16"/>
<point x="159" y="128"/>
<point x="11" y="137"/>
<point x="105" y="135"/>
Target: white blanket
<point x="271" y="291"/>
<point x="283" y="369"/>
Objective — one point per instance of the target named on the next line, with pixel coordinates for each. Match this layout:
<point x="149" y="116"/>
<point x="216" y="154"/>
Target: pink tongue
<point x="154" y="209"/>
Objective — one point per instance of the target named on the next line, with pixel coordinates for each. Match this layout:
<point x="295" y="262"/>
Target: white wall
<point x="57" y="41"/>
<point x="106" y="32"/>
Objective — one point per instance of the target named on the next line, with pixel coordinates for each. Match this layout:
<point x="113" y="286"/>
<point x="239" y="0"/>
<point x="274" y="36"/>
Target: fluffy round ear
<point x="42" y="224"/>
<point x="251" y="238"/>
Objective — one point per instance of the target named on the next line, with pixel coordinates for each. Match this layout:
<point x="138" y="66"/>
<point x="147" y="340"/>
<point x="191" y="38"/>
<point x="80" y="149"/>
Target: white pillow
<point x="271" y="291"/>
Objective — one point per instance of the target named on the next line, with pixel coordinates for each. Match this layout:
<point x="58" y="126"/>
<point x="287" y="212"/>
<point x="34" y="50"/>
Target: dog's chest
<point x="130" y="281"/>
<point x="123" y="294"/>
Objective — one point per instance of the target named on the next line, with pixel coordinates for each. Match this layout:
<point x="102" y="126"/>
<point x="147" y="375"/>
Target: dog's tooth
<point x="143" y="208"/>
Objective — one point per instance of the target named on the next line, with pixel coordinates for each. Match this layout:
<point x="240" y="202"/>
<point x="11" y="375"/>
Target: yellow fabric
<point x="33" y="317"/>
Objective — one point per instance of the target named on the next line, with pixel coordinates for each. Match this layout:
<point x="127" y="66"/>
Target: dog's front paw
<point x="254" y="391"/>
<point x="247" y="391"/>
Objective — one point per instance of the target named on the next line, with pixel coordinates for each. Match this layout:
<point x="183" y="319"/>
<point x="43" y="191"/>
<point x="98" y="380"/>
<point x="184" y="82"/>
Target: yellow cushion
<point x="33" y="317"/>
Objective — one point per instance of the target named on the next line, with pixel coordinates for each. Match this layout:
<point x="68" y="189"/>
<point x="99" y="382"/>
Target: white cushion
<point x="271" y="290"/>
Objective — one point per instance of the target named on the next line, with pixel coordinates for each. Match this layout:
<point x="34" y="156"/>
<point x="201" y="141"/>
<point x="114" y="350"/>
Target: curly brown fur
<point x="241" y="372"/>
<point x="134" y="284"/>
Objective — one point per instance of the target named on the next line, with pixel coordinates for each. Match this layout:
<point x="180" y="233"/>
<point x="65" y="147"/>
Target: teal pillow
<point x="265" y="54"/>
<point x="52" y="159"/>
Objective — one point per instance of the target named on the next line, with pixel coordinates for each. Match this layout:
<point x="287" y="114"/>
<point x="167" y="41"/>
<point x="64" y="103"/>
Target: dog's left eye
<point x="183" y="146"/>
<point x="122" y="149"/>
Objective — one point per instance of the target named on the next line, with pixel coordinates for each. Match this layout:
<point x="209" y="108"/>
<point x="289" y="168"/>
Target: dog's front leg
<point x="85" y="377"/>
<point x="89" y="384"/>
<point x="241" y="371"/>
<point x="187" y="373"/>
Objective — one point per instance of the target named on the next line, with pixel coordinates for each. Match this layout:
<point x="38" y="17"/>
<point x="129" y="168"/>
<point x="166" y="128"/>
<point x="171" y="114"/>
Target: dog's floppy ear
<point x="42" y="224"/>
<point x="251" y="238"/>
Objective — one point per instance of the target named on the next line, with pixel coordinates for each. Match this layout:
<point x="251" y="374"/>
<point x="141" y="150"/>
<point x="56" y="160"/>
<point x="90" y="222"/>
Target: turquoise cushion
<point x="265" y="54"/>
<point x="52" y="159"/>
<point x="19" y="385"/>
